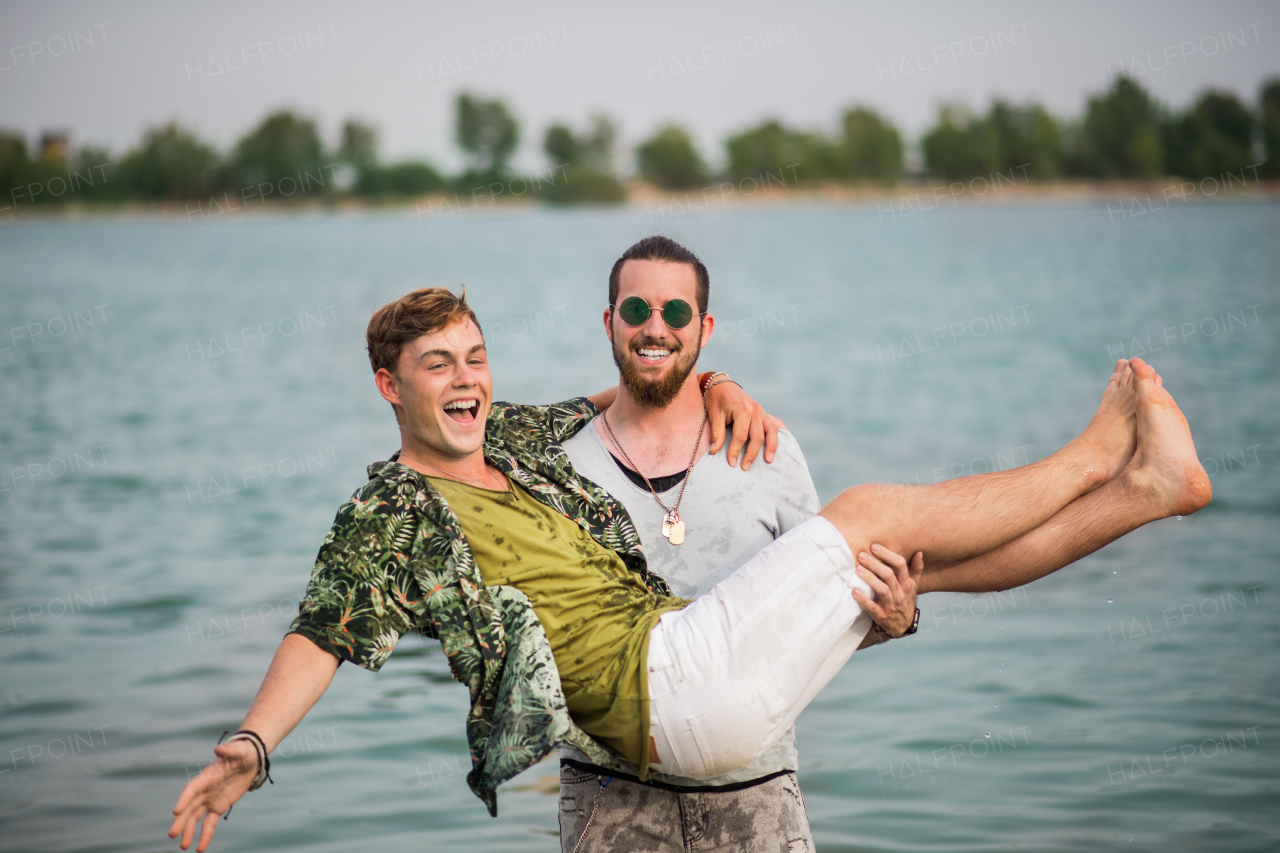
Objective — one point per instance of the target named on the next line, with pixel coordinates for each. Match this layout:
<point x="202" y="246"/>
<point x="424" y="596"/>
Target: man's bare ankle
<point x="1084" y="457"/>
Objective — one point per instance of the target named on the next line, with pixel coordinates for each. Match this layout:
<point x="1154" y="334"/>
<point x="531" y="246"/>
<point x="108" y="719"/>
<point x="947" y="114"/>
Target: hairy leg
<point x="1164" y="478"/>
<point x="969" y="516"/>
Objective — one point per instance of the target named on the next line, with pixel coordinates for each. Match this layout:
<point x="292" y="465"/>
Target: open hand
<point x="211" y="793"/>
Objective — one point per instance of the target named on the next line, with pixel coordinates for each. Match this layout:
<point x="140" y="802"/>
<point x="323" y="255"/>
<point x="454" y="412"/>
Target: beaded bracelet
<point x="711" y="385"/>
<point x="705" y="380"/>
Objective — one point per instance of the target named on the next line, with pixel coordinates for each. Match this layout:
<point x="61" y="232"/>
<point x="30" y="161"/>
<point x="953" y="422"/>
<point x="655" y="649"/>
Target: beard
<point x="655" y="394"/>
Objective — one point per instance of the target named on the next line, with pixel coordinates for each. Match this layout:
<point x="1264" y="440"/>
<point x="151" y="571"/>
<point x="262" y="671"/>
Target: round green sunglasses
<point x="676" y="313"/>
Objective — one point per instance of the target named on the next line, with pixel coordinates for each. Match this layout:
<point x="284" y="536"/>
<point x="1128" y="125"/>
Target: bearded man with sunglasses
<point x="699" y="522"/>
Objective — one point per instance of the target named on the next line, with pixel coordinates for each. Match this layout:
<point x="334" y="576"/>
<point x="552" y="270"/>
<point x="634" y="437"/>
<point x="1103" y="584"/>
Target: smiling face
<point x="655" y="360"/>
<point x="441" y="390"/>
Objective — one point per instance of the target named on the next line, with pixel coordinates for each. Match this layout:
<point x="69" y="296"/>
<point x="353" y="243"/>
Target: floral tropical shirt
<point x="396" y="560"/>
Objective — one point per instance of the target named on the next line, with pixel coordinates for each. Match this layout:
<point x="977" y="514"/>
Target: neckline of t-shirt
<point x="595" y="433"/>
<point x="511" y="484"/>
<point x="627" y="472"/>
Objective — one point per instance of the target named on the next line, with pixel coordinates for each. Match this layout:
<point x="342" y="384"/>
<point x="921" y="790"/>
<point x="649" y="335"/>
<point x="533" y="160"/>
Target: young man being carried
<point x="562" y="635"/>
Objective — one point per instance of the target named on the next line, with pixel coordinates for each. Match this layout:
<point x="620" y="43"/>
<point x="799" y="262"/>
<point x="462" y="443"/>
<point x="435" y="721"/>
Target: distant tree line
<point x="1124" y="134"/>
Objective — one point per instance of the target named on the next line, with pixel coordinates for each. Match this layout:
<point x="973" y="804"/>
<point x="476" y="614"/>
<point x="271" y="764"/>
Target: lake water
<point x="187" y="404"/>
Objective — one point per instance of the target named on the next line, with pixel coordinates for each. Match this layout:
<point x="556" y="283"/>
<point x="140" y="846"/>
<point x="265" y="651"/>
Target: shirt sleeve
<point x="558" y="421"/>
<point x="798" y="497"/>
<point x="362" y="596"/>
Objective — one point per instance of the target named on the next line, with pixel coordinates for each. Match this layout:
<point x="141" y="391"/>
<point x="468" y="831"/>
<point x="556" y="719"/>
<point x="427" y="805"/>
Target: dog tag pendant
<point x="677" y="533"/>
<point x="673" y="528"/>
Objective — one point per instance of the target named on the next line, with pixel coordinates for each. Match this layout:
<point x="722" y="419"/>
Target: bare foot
<point x="1112" y="433"/>
<point x="1165" y="469"/>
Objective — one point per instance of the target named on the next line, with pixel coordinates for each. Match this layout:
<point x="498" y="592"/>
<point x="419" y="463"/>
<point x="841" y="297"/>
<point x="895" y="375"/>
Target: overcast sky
<point x="104" y="71"/>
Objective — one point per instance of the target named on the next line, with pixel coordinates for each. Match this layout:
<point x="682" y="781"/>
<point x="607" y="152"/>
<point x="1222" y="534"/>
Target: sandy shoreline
<point x="902" y="199"/>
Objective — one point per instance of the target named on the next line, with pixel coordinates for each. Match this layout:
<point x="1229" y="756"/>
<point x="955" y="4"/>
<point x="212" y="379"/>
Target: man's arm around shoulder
<point x="556" y="421"/>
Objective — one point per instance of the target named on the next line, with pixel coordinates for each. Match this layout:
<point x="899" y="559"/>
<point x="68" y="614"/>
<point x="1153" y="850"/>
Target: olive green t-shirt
<point x="596" y="612"/>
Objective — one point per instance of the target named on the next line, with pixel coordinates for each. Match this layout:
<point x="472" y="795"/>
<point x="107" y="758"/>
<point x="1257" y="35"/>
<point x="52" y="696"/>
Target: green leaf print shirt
<point x="396" y="560"/>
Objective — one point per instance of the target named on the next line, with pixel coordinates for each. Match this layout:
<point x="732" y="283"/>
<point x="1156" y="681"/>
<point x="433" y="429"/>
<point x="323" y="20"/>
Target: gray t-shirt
<point x="729" y="516"/>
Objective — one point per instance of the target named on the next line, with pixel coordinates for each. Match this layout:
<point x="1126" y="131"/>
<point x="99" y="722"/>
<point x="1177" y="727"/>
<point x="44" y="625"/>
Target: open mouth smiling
<point x="463" y="411"/>
<point x="653" y="355"/>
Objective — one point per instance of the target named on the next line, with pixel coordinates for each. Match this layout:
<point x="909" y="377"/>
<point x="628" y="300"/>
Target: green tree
<point x="358" y="151"/>
<point x="15" y="165"/>
<point x="488" y="133"/>
<point x="283" y="146"/>
<point x="561" y="145"/>
<point x="1121" y="136"/>
<point x="96" y="176"/>
<point x="871" y="147"/>
<point x="670" y="159"/>
<point x="1269" y="119"/>
<point x="399" y="180"/>
<point x="582" y="165"/>
<point x="592" y="149"/>
<point x="579" y="185"/>
<point x="773" y="152"/>
<point x="1026" y="140"/>
<point x="358" y="146"/>
<point x="1215" y="136"/>
<point x="957" y="146"/>
<point x="169" y="163"/>
<point x="598" y="144"/>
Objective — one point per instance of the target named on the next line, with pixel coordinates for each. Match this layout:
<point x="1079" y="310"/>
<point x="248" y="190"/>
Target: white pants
<point x="730" y="673"/>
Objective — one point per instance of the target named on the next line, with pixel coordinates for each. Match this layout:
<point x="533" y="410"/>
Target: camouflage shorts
<point x="635" y="818"/>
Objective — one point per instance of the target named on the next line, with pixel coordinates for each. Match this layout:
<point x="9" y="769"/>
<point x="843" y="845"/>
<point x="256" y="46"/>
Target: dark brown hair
<point x="662" y="249"/>
<point x="422" y="312"/>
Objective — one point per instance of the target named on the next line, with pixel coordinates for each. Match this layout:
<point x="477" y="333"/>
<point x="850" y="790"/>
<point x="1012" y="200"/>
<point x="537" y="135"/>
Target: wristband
<point x="881" y="632"/>
<point x="264" y="761"/>
<point x="705" y="379"/>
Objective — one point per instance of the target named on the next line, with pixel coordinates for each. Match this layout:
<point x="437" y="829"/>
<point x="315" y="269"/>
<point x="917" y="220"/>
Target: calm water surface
<point x="185" y="407"/>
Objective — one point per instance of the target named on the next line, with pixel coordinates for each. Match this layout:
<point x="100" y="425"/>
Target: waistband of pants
<point x="663" y="786"/>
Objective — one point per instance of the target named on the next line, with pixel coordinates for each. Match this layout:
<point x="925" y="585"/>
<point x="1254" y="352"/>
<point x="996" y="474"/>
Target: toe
<point x="1141" y="369"/>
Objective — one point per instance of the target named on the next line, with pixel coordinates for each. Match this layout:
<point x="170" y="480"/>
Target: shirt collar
<point x="391" y="469"/>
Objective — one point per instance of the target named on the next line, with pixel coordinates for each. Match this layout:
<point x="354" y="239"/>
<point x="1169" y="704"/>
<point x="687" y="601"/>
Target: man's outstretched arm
<point x="299" y="674"/>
